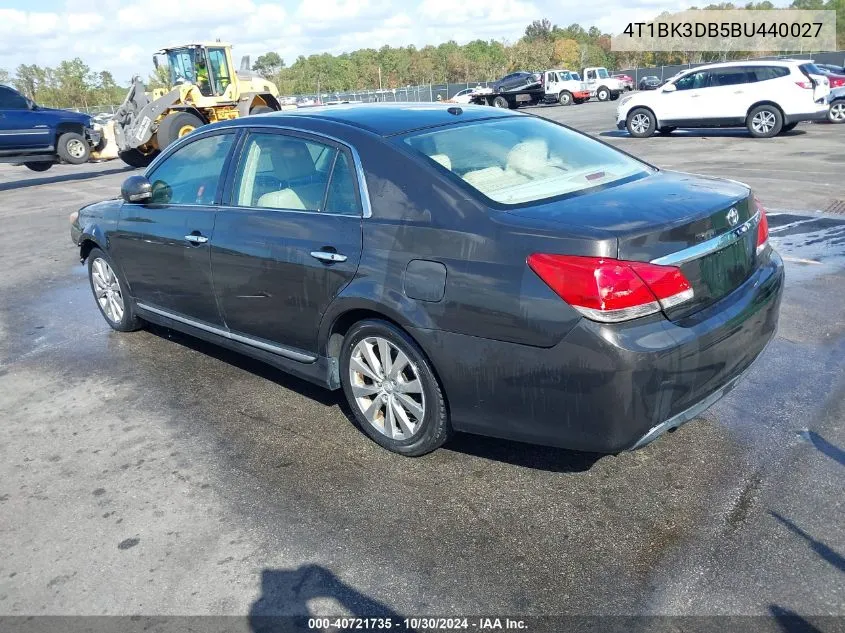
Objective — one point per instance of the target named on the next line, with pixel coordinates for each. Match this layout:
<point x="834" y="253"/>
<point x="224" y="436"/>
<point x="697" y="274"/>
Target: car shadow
<point x="825" y="447"/>
<point x="48" y="180"/>
<point x="701" y="133"/>
<point x="790" y="622"/>
<point x="285" y="593"/>
<point x="546" y="458"/>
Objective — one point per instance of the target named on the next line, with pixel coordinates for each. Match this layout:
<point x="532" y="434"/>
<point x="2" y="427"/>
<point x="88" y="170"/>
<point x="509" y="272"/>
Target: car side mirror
<point x="669" y="88"/>
<point x="136" y="189"/>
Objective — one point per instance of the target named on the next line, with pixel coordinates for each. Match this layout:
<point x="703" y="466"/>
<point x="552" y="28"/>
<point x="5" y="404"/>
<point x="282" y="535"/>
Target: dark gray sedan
<point x="450" y="268"/>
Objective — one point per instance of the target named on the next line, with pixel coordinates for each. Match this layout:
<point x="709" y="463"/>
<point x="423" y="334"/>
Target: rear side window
<point x="277" y="171"/>
<point x="729" y="77"/>
<point x="342" y="197"/>
<point x="519" y="160"/>
<point x="191" y="174"/>
<point x="764" y="73"/>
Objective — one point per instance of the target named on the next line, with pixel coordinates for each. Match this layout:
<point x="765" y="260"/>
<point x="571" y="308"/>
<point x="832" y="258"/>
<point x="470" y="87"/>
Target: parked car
<point x="767" y="97"/>
<point x="649" y="82"/>
<point x="832" y="68"/>
<point x="626" y="80"/>
<point x="519" y="80"/>
<point x="39" y="137"/>
<point x="836" y="110"/>
<point x="508" y="276"/>
<point x="463" y="96"/>
<point x="836" y="79"/>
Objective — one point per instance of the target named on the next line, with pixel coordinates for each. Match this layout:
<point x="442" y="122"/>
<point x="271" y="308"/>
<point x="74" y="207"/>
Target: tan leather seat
<point x="443" y="159"/>
<point x="284" y="199"/>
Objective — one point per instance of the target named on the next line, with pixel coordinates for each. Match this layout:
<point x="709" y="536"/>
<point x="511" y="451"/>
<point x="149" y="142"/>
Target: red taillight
<point x="807" y="85"/>
<point x="762" y="228"/>
<point x="611" y="290"/>
<point x="835" y="82"/>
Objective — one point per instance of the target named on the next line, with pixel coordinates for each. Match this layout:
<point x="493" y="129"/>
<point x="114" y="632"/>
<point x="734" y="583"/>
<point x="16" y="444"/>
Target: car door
<point x="290" y="238"/>
<point x="163" y="246"/>
<point x="686" y="105"/>
<point x="552" y="82"/>
<point x="731" y="93"/>
<point x="20" y="126"/>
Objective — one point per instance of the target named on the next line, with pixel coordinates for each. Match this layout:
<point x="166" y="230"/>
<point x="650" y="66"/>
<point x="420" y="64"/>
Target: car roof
<point x="754" y="62"/>
<point x="387" y="119"/>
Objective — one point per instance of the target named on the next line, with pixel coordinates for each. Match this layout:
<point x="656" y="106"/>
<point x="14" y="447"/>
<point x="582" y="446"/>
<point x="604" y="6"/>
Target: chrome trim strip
<point x="710" y="246"/>
<point x="247" y="340"/>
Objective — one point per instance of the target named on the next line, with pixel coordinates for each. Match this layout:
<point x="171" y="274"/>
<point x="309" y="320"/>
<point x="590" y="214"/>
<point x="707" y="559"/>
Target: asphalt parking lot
<point x="150" y="473"/>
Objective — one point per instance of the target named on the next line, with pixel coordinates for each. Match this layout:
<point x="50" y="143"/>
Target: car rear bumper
<point x="608" y="387"/>
<point x="818" y="114"/>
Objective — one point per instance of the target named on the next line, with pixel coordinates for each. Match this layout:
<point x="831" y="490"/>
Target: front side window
<point x="692" y="81"/>
<point x="191" y="174"/>
<point x="277" y="171"/>
<point x="521" y="160"/>
<point x="11" y="100"/>
<point x="603" y="73"/>
<point x="220" y="77"/>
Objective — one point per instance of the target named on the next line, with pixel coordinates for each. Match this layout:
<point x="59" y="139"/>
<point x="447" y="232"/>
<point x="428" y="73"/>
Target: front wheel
<point x="764" y="121"/>
<point x="392" y="390"/>
<point x="73" y="148"/>
<point x="641" y="123"/>
<point x="565" y="98"/>
<point x="602" y="94"/>
<point x="43" y="165"/>
<point x="136" y="158"/>
<point x="176" y="125"/>
<point x="836" y="113"/>
<point x="110" y="293"/>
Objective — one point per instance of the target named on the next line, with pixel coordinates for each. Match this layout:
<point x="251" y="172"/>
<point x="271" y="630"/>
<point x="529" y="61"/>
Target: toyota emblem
<point x="733" y="216"/>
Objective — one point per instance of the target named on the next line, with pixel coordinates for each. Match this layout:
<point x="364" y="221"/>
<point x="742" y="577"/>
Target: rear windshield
<point x="811" y="69"/>
<point x="523" y="159"/>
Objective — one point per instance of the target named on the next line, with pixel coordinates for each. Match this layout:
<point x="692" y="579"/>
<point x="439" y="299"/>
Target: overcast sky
<point x="122" y="35"/>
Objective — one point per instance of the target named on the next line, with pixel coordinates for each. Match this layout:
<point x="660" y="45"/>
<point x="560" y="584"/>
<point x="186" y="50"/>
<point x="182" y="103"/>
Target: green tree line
<point x="543" y="45"/>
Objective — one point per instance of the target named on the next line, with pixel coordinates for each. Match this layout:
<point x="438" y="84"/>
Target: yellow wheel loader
<point x="206" y="88"/>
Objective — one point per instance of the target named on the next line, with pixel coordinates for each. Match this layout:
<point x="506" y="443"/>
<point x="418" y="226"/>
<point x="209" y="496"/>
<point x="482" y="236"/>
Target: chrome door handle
<point x="326" y="256"/>
<point x="196" y="239"/>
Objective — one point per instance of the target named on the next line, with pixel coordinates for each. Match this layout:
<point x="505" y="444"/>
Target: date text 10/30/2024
<point x="416" y="624"/>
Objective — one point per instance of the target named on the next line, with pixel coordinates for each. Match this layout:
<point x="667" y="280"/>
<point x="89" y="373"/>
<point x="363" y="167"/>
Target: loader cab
<point x="207" y="67"/>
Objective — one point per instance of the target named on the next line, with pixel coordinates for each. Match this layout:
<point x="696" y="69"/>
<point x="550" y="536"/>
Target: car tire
<point x="666" y="129"/>
<point x="110" y="293"/>
<point x="376" y="401"/>
<point x="836" y="112"/>
<point x="176" y="125"/>
<point x="500" y="102"/>
<point x="602" y="94"/>
<point x="73" y="148"/>
<point x="764" y="121"/>
<point x="614" y="95"/>
<point x="564" y="98"/>
<point x="641" y="123"/>
<point x="43" y="165"/>
<point x="136" y="158"/>
<point x="261" y="109"/>
<point x="788" y="127"/>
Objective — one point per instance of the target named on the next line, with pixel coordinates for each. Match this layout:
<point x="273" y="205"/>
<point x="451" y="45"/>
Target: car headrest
<point x="529" y="157"/>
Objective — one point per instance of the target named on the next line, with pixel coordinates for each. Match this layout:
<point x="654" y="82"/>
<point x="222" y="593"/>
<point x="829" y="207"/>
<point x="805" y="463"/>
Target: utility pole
<point x="379" y="77"/>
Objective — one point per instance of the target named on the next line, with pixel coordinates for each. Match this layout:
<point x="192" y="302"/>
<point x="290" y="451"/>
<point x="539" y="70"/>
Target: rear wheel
<point x="392" y="390"/>
<point x="764" y="121"/>
<point x="836" y="113"/>
<point x="641" y="123"/>
<point x="565" y="98"/>
<point x="110" y="293"/>
<point x="137" y="158"/>
<point x="602" y="94"/>
<point x="261" y="109"/>
<point x="73" y="148"/>
<point x="176" y="125"/>
<point x="500" y="102"/>
<point x="43" y="165"/>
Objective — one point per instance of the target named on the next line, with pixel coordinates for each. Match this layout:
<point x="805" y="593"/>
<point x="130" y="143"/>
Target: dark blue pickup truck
<point x="40" y="137"/>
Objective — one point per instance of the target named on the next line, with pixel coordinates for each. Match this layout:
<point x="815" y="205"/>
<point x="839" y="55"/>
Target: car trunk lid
<point x="707" y="227"/>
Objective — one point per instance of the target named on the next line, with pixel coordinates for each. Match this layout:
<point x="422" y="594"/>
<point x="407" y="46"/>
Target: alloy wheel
<point x="837" y="112"/>
<point x="387" y="388"/>
<point x="763" y="122"/>
<point x="640" y="123"/>
<point x="107" y="290"/>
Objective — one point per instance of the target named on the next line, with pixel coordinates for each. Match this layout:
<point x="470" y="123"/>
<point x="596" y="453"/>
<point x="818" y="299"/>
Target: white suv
<point x="767" y="97"/>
